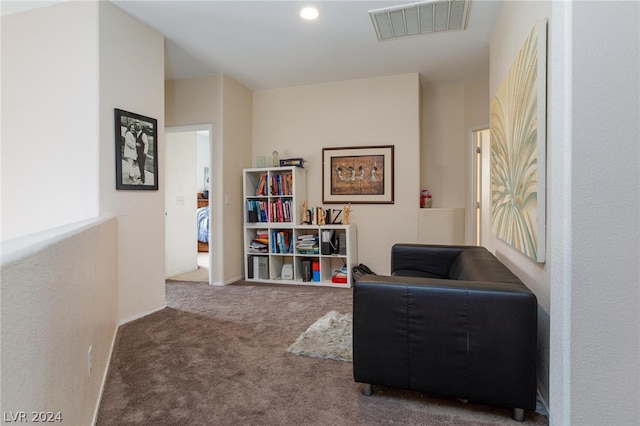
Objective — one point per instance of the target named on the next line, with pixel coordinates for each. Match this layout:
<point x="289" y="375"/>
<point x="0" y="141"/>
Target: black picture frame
<point x="136" y="136"/>
<point x="358" y="175"/>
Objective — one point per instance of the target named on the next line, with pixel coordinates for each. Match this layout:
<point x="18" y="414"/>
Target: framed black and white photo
<point x="361" y="174"/>
<point x="136" y="151"/>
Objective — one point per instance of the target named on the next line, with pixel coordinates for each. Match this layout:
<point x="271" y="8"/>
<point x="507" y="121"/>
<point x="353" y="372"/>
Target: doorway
<point x="480" y="185"/>
<point x="188" y="204"/>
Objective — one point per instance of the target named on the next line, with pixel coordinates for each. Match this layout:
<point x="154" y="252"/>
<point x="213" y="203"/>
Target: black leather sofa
<point x="450" y="320"/>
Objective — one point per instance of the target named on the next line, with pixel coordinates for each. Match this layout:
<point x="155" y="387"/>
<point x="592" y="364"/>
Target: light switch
<point x="227" y="199"/>
<point x="180" y="200"/>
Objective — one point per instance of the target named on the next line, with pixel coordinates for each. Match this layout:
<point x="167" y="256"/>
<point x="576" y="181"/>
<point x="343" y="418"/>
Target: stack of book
<point x="260" y="243"/>
<point x="307" y="244"/>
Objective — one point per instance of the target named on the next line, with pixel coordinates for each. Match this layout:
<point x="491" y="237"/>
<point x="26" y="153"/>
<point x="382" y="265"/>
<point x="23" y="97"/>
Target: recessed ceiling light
<point x="309" y="13"/>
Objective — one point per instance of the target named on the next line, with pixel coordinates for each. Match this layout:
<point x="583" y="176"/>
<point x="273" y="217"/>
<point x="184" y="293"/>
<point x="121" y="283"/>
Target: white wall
<point x="53" y="313"/>
<point x="132" y="79"/>
<point x="300" y="121"/>
<point x="49" y="123"/>
<point x="590" y="283"/>
<point x="605" y="231"/>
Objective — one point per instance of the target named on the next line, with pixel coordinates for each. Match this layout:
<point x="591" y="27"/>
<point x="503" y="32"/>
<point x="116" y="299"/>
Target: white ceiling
<point x="265" y="44"/>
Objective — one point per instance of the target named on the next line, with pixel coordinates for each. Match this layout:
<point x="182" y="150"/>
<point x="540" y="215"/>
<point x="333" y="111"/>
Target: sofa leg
<point x="367" y="389"/>
<point x="518" y="414"/>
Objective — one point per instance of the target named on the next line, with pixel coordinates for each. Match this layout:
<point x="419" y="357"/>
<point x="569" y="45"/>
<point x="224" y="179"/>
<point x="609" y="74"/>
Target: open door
<point x="181" y="249"/>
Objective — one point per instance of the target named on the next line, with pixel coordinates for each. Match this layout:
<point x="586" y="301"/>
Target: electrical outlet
<point x="90" y="360"/>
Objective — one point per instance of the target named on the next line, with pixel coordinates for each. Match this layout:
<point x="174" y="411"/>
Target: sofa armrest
<point x="423" y="259"/>
<point x="465" y="339"/>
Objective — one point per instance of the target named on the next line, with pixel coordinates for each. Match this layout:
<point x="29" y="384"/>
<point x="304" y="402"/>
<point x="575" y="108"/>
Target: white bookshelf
<point x="286" y="226"/>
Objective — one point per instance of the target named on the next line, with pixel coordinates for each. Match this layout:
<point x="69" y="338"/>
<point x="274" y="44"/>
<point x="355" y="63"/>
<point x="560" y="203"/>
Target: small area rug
<point x="330" y="337"/>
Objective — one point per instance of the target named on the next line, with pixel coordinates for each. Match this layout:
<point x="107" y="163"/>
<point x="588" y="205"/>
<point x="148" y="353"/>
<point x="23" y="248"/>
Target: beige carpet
<point x="218" y="356"/>
<point x="200" y="275"/>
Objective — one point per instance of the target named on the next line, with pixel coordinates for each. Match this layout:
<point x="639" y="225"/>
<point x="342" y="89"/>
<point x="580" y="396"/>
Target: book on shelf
<point x="282" y="184"/>
<point x="342" y="244"/>
<point x="257" y="211"/>
<point x="261" y="187"/>
<point x="260" y="268"/>
<point x="315" y="268"/>
<point x="298" y="162"/>
<point x="280" y="210"/>
<point x="307" y="244"/>
<point x="252" y="211"/>
<point x="281" y="242"/>
<point x="307" y="274"/>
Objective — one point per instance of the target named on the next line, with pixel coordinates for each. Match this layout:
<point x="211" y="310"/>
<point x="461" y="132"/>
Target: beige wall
<point x="299" y="121"/>
<point x="444" y="145"/>
<point x="227" y="105"/>
<point x="513" y="26"/>
<point x="193" y="101"/>
<point x="66" y="69"/>
<point x="132" y="79"/>
<point x="49" y="121"/>
<point x="450" y="111"/>
<point x="53" y="313"/>
<point x="237" y="126"/>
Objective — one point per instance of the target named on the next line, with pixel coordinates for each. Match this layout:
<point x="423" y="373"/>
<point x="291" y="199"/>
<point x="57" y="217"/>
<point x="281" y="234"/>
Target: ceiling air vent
<point x="420" y="18"/>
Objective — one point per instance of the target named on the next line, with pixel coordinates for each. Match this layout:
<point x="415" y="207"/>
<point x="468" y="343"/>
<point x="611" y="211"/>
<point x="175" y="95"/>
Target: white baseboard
<point x="104" y="376"/>
<point x="227" y="282"/>
<point x="141" y="314"/>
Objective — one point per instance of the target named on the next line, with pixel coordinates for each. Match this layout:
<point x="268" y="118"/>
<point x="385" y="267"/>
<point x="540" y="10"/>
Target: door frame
<point x="215" y="197"/>
<point x="485" y="185"/>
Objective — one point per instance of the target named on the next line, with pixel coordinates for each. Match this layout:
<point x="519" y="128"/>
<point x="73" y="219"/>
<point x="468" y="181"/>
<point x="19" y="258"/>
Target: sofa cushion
<point x="418" y="260"/>
<point x="478" y="264"/>
<point x="415" y="273"/>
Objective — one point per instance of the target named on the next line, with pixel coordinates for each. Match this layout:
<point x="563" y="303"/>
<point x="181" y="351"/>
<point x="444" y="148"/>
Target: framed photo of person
<point x="136" y="142"/>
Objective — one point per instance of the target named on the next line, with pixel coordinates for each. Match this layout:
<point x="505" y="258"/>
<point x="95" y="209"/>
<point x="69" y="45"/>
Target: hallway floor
<point x="199" y="275"/>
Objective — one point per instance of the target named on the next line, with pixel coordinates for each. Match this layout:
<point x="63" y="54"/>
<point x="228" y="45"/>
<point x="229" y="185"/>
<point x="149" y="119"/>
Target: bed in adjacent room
<point x="203" y="225"/>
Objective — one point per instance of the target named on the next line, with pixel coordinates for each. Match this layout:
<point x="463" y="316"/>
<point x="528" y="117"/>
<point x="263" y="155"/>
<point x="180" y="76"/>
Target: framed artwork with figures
<point x="358" y="175"/>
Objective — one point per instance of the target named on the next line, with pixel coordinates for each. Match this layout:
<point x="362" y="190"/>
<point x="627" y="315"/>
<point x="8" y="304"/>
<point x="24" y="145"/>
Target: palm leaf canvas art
<point x="518" y="150"/>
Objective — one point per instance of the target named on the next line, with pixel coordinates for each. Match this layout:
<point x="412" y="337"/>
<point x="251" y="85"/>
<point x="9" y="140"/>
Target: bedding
<point x="203" y="224"/>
